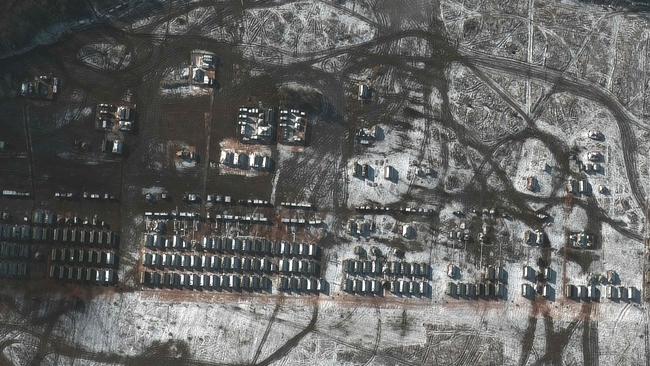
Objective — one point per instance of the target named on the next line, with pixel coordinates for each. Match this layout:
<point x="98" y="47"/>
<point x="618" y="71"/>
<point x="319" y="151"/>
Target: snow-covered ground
<point x="105" y="56"/>
<point x="405" y="152"/>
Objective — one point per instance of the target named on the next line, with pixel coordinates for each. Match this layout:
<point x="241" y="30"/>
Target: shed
<point x="528" y="272"/>
<point x="451" y="270"/>
<point x="348" y="285"/>
<point x="462" y="290"/>
<point x="570" y="291"/>
<point x="452" y="289"/>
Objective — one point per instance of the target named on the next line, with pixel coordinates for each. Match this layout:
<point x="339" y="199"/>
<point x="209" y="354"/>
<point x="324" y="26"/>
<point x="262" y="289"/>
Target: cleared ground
<point x="472" y="98"/>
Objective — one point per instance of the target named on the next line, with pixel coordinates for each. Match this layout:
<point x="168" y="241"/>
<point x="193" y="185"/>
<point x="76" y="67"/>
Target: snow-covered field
<point x="472" y="99"/>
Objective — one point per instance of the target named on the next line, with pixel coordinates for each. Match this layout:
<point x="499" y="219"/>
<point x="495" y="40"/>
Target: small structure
<point x="570" y="291"/>
<point x="424" y="171"/>
<point x="261" y="162"/>
<point x="234" y="159"/>
<point x="227" y="157"/>
<point x="357" y="170"/>
<point x="549" y="274"/>
<point x="363" y="171"/>
<point x="471" y="290"/>
<point x="187" y="154"/>
<point x="452" y="270"/>
<point x="41" y="87"/>
<point x="367" y="172"/>
<point x="491" y="273"/>
<point x="126" y="117"/>
<point x="360" y="227"/>
<point x="612" y="293"/>
<point x="461" y="290"/>
<point x="592" y="168"/>
<point x="632" y="293"/>
<point x="612" y="277"/>
<point x="191" y="197"/>
<point x="408" y="231"/>
<point x="108" y="116"/>
<point x="572" y="186"/>
<point x="242" y="160"/>
<point x="117" y="147"/>
<point x="452" y="289"/>
<point x="595" y="135"/>
<point x="482" y="290"/>
<point x="492" y="291"/>
<point x="293" y="127"/>
<point x="359" y="251"/>
<point x="367" y="136"/>
<point x="529" y="237"/>
<point x="352" y="227"/>
<point x="582" y="292"/>
<point x="536" y="237"/>
<point x="581" y="240"/>
<point x="584" y="187"/>
<point x="594" y="156"/>
<point x="390" y="173"/>
<point x="531" y="183"/>
<point x="203" y="68"/>
<point x="501" y="291"/>
<point x="528" y="273"/>
<point x="502" y="274"/>
<point x="14" y="194"/>
<point x="365" y="93"/>
<point x="105" y="116"/>
<point x="256" y="124"/>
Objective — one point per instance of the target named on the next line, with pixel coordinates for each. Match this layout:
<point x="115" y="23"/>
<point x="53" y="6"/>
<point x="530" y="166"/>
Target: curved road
<point x="581" y="88"/>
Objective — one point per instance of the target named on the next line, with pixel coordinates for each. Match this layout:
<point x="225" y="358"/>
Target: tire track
<point x="377" y="340"/>
<point x="266" y="333"/>
<point x="293" y="342"/>
<point x="582" y="89"/>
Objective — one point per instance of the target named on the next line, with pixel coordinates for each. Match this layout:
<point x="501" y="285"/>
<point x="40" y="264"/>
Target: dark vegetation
<point x="22" y="20"/>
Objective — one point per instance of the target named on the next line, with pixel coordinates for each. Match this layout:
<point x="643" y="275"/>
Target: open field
<point x="483" y="201"/>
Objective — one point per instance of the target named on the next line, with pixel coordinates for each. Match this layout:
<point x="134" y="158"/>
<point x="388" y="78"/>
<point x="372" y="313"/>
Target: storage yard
<point x="327" y="183"/>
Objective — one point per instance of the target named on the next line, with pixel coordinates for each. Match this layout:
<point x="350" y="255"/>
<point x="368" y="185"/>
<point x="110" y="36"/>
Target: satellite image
<point x="324" y="182"/>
